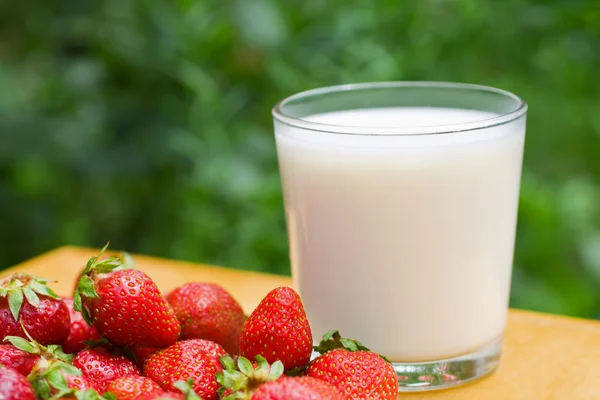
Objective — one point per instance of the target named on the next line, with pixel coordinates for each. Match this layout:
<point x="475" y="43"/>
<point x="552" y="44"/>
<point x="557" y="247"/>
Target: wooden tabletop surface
<point x="545" y="356"/>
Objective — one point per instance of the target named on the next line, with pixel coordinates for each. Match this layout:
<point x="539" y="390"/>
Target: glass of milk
<point x="401" y="207"/>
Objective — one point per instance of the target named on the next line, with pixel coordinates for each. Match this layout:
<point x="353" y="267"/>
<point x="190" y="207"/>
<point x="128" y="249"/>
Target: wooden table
<point x="545" y="356"/>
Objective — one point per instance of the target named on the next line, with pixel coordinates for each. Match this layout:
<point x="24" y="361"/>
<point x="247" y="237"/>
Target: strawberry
<point x="186" y="393"/>
<point x="132" y="387"/>
<point x="353" y="369"/>
<point x="124" y="305"/>
<point x="207" y="311"/>
<point x="80" y="331"/>
<point x="14" y="386"/>
<point x="192" y="359"/>
<point x="162" y="396"/>
<point x="297" y="388"/>
<point x="22" y="361"/>
<point x="102" y="367"/>
<point x="278" y="330"/>
<point x="26" y="301"/>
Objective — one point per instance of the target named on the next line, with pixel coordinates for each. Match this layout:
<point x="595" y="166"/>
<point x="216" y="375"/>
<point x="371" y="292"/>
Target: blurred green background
<point x="148" y="122"/>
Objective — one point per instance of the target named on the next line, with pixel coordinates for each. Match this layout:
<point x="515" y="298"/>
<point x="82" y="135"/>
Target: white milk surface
<point x="403" y="242"/>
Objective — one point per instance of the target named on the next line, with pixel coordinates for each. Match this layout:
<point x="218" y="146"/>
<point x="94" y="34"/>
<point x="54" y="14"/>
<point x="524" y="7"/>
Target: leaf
<point x="106" y="395"/>
<point x="59" y="354"/>
<point x="69" y="369"/>
<point x="31" y="297"/>
<point x="127" y="259"/>
<point x="56" y="379"/>
<point x="353" y="345"/>
<point x="234" y="380"/>
<point x="227" y="362"/>
<point x="77" y="300"/>
<point x="329" y="335"/>
<point x="108" y="265"/>
<point x="276" y="370"/>
<point x="86" y="287"/>
<point x="41" y="387"/>
<point x="263" y="365"/>
<point x="245" y="366"/>
<point x="181" y="385"/>
<point x="41" y="288"/>
<point x="23" y="344"/>
<point x="15" y="301"/>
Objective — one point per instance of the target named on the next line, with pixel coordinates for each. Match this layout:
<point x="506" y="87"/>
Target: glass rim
<point x="280" y="115"/>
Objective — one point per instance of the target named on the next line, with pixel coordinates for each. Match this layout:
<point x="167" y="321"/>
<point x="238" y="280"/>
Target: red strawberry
<point x="354" y="370"/>
<point x="14" y="386"/>
<point x="80" y="331"/>
<point x="301" y="388"/>
<point x="27" y="300"/>
<point x="207" y="311"/>
<point x="214" y="350"/>
<point x="102" y="367"/>
<point x="125" y="305"/>
<point x="12" y="357"/>
<point x="162" y="396"/>
<point x="278" y="330"/>
<point x="188" y="359"/>
<point x="132" y="387"/>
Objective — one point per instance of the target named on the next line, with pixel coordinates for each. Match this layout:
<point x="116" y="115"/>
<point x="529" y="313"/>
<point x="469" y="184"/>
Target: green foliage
<point x="148" y="122"/>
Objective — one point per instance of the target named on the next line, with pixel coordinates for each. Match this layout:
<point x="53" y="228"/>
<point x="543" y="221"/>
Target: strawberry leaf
<point x="329" y="335"/>
<point x="69" y="369"/>
<point x="86" y="287"/>
<point x="56" y="379"/>
<point x="353" y="345"/>
<point x="245" y="366"/>
<point x="276" y="370"/>
<point x="186" y="388"/>
<point x="41" y="288"/>
<point x="263" y="365"/>
<point x="41" y="387"/>
<point x="15" y="301"/>
<point x="31" y="297"/>
<point x="23" y="344"/>
<point x="107" y="396"/>
<point x="57" y="352"/>
<point x="227" y="362"/>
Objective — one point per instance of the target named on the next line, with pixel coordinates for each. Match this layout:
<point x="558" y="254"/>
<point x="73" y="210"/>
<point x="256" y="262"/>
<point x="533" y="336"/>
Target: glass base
<point x="433" y="375"/>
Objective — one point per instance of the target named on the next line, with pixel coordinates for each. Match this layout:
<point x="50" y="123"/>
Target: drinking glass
<point x="401" y="206"/>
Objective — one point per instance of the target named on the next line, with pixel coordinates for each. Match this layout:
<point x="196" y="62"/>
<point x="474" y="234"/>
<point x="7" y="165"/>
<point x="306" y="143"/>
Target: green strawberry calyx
<point x="20" y="286"/>
<point x="97" y="266"/>
<point x="240" y="380"/>
<point x="332" y="340"/>
<point x="29" y="345"/>
<point x="185" y="387"/>
<point x="51" y="384"/>
<point x="48" y="380"/>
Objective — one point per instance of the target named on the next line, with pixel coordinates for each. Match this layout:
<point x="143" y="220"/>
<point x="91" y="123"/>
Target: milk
<point x="404" y="242"/>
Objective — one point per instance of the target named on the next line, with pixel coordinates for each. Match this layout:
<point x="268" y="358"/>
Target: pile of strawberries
<point x="120" y="339"/>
